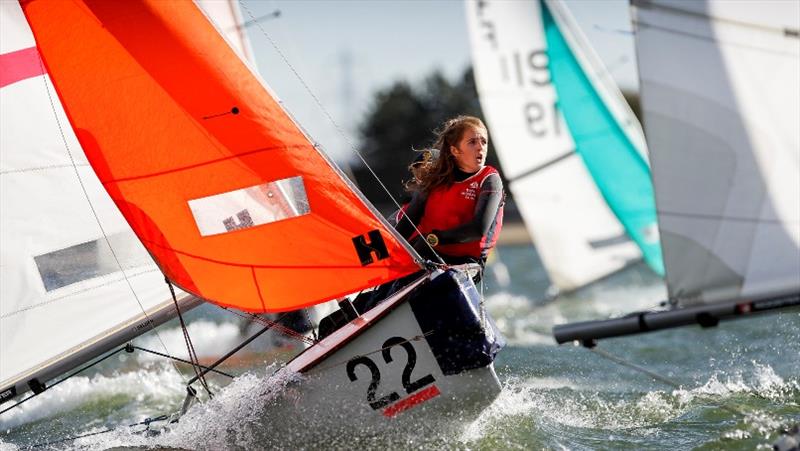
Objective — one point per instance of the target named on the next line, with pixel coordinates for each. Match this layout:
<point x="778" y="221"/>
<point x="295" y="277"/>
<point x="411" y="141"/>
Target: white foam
<point x="556" y="402"/>
<point x="208" y="338"/>
<point x="232" y="419"/>
<point x="158" y="385"/>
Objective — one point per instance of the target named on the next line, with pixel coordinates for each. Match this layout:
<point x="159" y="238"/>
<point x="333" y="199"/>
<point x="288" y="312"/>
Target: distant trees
<point x="403" y="117"/>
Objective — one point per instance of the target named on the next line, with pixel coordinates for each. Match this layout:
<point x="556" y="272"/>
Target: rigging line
<point x="180" y="360"/>
<point x="189" y="346"/>
<point x="288" y="331"/>
<point x="656" y="376"/>
<point x="336" y="126"/>
<point x="65" y="378"/>
<point x="233" y="351"/>
<point x="146" y="422"/>
<point x="91" y="206"/>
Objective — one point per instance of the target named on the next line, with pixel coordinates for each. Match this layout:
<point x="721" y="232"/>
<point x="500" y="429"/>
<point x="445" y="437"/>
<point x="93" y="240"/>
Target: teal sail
<point x="618" y="169"/>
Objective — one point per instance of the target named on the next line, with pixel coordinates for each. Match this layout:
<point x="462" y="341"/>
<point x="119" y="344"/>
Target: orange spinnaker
<point x="150" y="88"/>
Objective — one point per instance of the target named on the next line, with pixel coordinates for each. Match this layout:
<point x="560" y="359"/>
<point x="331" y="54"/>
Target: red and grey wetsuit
<point x="466" y="216"/>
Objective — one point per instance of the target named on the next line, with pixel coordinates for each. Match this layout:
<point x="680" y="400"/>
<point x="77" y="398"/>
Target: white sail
<point x="721" y="98"/>
<point x="74" y="280"/>
<point x="720" y="88"/>
<point x="576" y="234"/>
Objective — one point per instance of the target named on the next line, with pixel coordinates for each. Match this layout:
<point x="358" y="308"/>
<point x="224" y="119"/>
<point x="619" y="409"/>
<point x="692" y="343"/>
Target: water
<point x="739" y="383"/>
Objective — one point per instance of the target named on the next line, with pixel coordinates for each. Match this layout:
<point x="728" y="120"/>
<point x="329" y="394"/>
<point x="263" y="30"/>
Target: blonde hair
<point x="439" y="172"/>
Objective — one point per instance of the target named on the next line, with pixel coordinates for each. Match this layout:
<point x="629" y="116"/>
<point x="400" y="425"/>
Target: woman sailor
<point x="457" y="200"/>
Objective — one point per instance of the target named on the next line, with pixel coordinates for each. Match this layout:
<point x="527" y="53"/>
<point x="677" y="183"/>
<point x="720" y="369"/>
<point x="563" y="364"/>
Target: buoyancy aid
<point x="451" y="206"/>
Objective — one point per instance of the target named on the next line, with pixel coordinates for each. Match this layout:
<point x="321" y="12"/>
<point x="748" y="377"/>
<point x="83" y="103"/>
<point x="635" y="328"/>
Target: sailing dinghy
<point x="721" y="100"/>
<point x="572" y="150"/>
<point x="238" y="208"/>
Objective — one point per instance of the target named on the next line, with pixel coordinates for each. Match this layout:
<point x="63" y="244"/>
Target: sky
<point x="326" y="58"/>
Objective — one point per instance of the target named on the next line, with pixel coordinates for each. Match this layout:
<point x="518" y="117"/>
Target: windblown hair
<point x="433" y="173"/>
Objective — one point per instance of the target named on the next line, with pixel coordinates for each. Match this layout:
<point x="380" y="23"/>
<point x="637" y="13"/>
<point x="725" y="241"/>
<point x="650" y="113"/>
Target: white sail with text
<point x="575" y="207"/>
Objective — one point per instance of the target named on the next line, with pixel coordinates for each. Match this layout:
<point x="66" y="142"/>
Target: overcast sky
<point x="345" y="50"/>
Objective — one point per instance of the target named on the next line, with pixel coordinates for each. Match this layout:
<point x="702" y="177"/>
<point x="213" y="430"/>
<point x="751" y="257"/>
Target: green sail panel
<point x="618" y="169"/>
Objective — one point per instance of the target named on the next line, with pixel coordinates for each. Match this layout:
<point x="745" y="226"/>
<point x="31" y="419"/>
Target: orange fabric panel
<point x="150" y="88"/>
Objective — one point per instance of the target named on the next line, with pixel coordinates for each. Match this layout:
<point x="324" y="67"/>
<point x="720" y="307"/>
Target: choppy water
<point x="739" y="383"/>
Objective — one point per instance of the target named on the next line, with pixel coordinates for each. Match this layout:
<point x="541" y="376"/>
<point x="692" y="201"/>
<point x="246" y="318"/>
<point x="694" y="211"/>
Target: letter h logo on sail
<point x="375" y="245"/>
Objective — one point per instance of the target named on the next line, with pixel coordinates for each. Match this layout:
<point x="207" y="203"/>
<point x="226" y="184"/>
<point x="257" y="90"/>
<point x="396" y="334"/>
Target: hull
<point x="422" y="359"/>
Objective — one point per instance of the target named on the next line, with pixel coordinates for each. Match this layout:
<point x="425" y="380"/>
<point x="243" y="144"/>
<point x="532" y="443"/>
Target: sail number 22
<point x="409" y="385"/>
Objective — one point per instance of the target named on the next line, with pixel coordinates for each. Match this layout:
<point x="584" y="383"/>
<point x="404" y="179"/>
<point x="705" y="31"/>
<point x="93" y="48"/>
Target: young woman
<point x="457" y="200"/>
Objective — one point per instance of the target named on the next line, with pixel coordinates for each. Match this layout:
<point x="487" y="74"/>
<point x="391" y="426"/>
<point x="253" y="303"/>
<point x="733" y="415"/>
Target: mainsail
<point x="74" y="280"/>
<point x="721" y="103"/>
<point x="194" y="150"/>
<point x="573" y="202"/>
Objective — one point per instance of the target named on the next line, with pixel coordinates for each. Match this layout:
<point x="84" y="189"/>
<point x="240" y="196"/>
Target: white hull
<point x="376" y="350"/>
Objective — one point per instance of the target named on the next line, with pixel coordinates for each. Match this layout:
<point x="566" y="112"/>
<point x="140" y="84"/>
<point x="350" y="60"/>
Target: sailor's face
<point x="470" y="153"/>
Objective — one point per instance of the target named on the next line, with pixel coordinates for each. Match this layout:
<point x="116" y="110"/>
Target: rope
<point x="656" y="376"/>
<point x="195" y="362"/>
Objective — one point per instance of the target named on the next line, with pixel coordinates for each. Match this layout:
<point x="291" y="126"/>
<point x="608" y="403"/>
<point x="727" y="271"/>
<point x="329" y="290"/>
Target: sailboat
<point x="572" y="150"/>
<point x="721" y="100"/>
<point x="232" y="201"/>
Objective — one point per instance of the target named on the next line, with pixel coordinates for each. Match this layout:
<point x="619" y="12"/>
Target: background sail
<point x="721" y="102"/>
<point x="576" y="234"/>
<point x="193" y="148"/>
<point x="74" y="280"/>
<point x="612" y="146"/>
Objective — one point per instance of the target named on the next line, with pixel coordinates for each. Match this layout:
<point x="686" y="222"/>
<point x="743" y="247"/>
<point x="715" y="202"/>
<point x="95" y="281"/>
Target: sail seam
<point x="43" y="168"/>
<point x="723" y="217"/>
<point x="258" y="288"/>
<point x="647" y="4"/>
<point x="60" y="298"/>
<point x="206" y="163"/>
<point x="251" y="265"/>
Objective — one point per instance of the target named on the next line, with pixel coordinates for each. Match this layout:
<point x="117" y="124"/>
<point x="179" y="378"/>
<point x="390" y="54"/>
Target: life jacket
<point x="451" y="206"/>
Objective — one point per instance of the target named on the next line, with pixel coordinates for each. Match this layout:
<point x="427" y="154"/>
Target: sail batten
<point x="196" y="129"/>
